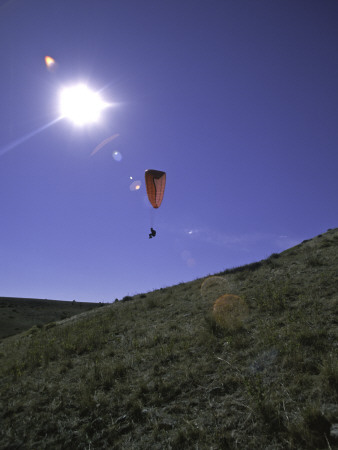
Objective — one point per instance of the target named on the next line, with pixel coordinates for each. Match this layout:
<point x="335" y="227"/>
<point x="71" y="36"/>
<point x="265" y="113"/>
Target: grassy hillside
<point x="20" y="314"/>
<point x="161" y="371"/>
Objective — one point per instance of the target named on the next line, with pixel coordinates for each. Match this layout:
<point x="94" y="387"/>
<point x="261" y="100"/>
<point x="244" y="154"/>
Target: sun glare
<point x="81" y="105"/>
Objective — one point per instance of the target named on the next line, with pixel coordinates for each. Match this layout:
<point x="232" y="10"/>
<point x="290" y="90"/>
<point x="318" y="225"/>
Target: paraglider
<point x="155" y="184"/>
<point x="152" y="233"/>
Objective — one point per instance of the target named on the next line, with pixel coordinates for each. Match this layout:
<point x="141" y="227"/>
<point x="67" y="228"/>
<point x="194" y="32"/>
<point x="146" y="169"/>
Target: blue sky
<point x="237" y="100"/>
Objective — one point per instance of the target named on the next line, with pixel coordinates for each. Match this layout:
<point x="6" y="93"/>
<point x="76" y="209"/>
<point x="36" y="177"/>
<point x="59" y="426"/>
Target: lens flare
<point x="213" y="287"/>
<point x="50" y="63"/>
<point x="103" y="143"/>
<point x="229" y="311"/>
<point x="117" y="156"/>
<point x="25" y="138"/>
<point x="135" y="186"/>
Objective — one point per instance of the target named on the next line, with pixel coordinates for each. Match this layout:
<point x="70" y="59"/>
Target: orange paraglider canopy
<point x="155" y="183"/>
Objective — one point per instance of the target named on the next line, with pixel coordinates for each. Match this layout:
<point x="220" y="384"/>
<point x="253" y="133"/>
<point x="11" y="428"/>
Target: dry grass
<point x="158" y="371"/>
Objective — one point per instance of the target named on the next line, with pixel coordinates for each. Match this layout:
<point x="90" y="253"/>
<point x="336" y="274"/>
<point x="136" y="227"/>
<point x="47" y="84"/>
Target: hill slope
<point x="159" y="371"/>
<point x="20" y="314"/>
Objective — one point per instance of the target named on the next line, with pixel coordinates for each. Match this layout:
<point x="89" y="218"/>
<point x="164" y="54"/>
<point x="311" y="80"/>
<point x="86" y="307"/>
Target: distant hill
<point x="20" y="314"/>
<point x="163" y="370"/>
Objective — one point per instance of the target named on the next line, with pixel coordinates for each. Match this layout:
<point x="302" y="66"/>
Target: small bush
<point x="314" y="261"/>
<point x="35" y="329"/>
<point x="272" y="260"/>
<point x="326" y="243"/>
<point x="152" y="303"/>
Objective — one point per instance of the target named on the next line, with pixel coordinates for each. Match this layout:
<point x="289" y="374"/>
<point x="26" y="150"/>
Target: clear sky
<point x="237" y="100"/>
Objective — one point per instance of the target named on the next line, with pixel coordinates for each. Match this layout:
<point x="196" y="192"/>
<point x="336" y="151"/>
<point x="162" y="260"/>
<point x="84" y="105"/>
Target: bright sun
<point x="81" y="105"/>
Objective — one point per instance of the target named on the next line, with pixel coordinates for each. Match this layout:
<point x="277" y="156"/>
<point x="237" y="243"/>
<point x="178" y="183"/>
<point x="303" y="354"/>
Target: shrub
<point x="314" y="261"/>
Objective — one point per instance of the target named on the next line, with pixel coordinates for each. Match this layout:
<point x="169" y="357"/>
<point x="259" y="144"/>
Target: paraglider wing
<point x="155" y="183"/>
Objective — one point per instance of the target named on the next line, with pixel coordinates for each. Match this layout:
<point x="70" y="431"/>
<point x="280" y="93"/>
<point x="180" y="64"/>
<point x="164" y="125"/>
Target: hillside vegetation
<point x="20" y="314"/>
<point x="161" y="371"/>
